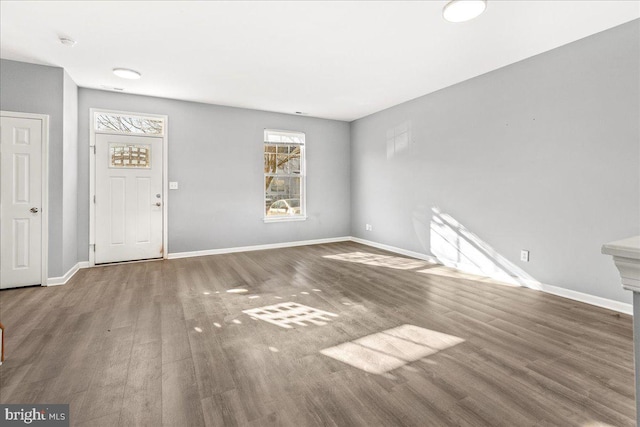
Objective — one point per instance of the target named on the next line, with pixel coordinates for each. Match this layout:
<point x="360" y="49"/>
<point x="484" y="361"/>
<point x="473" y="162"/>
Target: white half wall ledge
<point x="62" y="280"/>
<point x="626" y="256"/>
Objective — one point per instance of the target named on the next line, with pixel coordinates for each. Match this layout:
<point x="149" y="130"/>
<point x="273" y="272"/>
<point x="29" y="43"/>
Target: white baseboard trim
<point x="396" y="250"/>
<point x="618" y="306"/>
<point x="257" y="247"/>
<point x="588" y="298"/>
<point x="554" y="290"/>
<point x="56" y="281"/>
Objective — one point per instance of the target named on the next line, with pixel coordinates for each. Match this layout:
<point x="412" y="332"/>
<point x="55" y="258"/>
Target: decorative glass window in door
<point x="129" y="156"/>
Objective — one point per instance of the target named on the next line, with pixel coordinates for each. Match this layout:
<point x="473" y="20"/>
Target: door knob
<point x="158" y="203"/>
<point x="34" y="210"/>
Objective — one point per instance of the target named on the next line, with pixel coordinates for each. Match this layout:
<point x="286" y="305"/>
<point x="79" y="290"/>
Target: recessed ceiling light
<point x="463" y="10"/>
<point x="126" y="73"/>
<point x="67" y="41"/>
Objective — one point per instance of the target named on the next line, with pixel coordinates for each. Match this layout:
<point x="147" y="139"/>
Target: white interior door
<point x="20" y="202"/>
<point x="129" y="198"/>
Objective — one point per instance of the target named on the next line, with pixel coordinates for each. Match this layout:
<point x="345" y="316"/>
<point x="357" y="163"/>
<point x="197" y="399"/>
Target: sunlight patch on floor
<point x="378" y="260"/>
<point x="388" y="350"/>
<point x="457" y="274"/>
<point x="287" y="314"/>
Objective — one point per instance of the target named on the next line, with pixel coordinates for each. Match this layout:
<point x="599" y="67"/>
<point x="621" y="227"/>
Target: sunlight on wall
<point x="388" y="350"/>
<point x="398" y="139"/>
<point x="456" y="247"/>
<point x="380" y="260"/>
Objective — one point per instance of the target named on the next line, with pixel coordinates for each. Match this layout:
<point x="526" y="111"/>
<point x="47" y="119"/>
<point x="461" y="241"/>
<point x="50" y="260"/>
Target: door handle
<point x="34" y="210"/>
<point x="158" y="204"/>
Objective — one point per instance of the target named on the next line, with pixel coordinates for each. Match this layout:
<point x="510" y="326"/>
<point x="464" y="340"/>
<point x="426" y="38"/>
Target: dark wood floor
<point x="163" y="343"/>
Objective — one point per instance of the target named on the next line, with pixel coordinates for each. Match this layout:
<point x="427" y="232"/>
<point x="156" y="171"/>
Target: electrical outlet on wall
<point x="524" y="255"/>
<point x="368" y="227"/>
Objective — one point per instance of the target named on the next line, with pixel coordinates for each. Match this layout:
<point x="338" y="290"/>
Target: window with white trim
<point x="284" y="175"/>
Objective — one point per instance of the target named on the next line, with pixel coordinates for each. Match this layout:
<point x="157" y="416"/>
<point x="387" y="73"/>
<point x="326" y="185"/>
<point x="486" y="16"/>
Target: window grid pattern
<point x="130" y="156"/>
<point x="290" y="313"/>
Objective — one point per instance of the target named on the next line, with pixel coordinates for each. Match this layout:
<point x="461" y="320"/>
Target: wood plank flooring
<point x="164" y="343"/>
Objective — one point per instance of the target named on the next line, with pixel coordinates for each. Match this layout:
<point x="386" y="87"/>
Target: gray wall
<point x="38" y="89"/>
<point x="541" y="155"/>
<point x="70" y="175"/>
<point x="215" y="153"/>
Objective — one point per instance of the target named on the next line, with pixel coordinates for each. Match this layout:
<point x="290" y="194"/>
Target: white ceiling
<point x="333" y="59"/>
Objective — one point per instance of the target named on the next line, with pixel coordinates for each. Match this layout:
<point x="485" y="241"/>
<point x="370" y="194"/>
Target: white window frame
<point x="303" y="177"/>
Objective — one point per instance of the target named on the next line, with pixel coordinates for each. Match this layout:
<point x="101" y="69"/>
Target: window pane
<point x="293" y="190"/>
<point x="283" y="166"/>
<point x="128" y="124"/>
<point x="129" y="156"/>
<point x="294" y="164"/>
<point x="286" y="161"/>
<point x="284" y="136"/>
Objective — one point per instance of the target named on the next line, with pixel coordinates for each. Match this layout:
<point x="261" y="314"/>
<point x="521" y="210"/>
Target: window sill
<point x="285" y="218"/>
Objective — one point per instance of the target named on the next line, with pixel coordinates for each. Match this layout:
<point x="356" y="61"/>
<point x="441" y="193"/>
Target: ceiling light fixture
<point x="126" y="73"/>
<point x="463" y="10"/>
<point x="67" y="41"/>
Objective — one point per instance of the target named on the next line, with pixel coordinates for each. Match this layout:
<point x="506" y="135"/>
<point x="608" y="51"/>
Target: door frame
<point x="92" y="175"/>
<point x="44" y="202"/>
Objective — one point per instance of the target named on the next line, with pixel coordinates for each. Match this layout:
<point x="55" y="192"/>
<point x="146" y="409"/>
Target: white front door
<point x="129" y="198"/>
<point x="20" y="202"/>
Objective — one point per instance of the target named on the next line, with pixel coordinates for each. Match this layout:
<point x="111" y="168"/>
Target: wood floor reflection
<point x="166" y="343"/>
